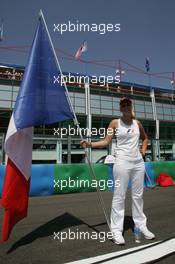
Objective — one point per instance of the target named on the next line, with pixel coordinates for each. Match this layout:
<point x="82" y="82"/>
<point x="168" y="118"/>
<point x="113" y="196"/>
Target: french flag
<point x="147" y="65"/>
<point x="82" y="49"/>
<point x="39" y="102"/>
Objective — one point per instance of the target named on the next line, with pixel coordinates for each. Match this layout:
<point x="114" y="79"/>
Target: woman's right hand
<point x="85" y="144"/>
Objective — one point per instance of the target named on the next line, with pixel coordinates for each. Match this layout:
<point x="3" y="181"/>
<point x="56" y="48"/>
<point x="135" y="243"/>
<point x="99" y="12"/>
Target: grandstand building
<point x="49" y="146"/>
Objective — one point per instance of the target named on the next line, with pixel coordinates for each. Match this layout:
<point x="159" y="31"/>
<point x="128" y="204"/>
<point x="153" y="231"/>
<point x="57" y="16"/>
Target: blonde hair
<point x="133" y="114"/>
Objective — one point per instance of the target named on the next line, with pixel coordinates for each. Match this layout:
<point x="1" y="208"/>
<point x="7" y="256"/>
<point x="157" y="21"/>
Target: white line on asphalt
<point x="135" y="255"/>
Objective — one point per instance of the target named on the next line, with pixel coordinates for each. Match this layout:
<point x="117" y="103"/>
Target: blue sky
<point x="147" y="30"/>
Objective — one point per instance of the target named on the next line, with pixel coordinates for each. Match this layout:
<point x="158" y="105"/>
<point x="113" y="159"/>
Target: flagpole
<point x="153" y="101"/>
<point x="76" y="122"/>
<point x="173" y="85"/>
<point x="151" y="185"/>
<point x="2" y="30"/>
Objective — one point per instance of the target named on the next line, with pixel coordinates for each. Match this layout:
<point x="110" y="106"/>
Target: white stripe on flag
<point x="18" y="147"/>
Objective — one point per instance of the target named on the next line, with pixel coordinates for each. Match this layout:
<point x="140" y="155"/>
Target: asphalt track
<point x="32" y="240"/>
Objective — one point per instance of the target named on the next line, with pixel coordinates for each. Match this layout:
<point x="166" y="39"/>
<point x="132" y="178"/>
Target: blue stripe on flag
<point x="39" y="100"/>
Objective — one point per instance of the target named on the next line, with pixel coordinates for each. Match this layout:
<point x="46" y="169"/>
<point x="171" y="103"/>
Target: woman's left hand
<point x="142" y="152"/>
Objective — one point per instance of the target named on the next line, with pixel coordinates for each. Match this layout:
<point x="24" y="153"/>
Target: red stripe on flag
<point x="14" y="198"/>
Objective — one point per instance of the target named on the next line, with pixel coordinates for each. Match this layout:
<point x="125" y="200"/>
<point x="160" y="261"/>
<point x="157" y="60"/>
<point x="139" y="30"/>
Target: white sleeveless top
<point x="127" y="141"/>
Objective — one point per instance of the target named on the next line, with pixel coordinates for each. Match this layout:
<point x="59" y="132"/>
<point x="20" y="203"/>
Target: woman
<point x="129" y="164"/>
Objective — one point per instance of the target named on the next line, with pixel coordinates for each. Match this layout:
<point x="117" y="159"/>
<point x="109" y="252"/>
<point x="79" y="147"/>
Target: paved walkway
<point x="37" y="239"/>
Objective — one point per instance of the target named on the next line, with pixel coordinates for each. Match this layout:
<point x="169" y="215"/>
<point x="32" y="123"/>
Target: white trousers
<point x="123" y="171"/>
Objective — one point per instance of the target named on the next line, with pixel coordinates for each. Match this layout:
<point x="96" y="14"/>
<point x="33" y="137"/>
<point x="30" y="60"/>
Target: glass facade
<point x="104" y="107"/>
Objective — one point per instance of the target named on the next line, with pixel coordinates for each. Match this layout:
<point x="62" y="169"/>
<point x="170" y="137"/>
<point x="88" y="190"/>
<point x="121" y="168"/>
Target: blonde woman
<point x="129" y="165"/>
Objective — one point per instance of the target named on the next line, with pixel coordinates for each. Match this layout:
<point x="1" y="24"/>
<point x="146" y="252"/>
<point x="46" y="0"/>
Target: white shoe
<point x="147" y="234"/>
<point x="118" y="238"/>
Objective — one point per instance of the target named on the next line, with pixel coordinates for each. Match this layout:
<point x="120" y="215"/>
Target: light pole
<point x="173" y="85"/>
<point x="120" y="71"/>
<point x="152" y="95"/>
<point x="88" y="116"/>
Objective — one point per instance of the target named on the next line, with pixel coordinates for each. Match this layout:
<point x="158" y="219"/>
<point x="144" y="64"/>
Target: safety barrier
<point x="49" y="179"/>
